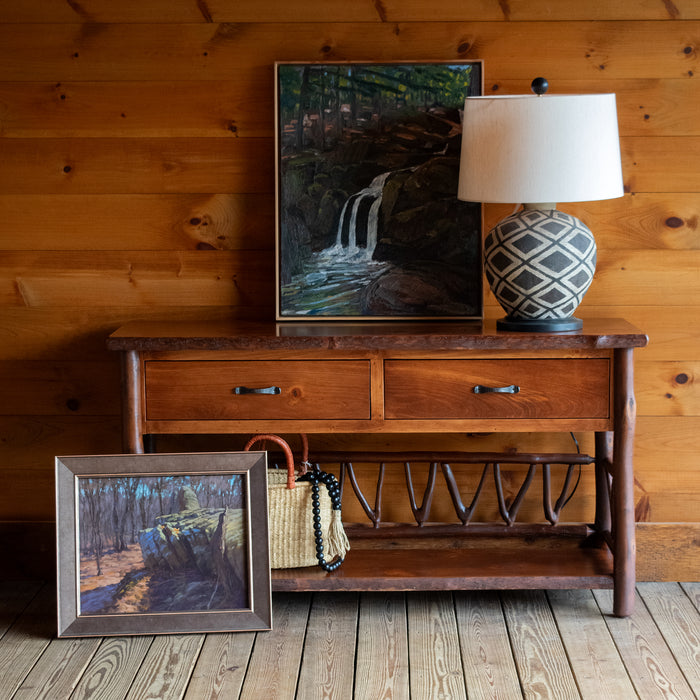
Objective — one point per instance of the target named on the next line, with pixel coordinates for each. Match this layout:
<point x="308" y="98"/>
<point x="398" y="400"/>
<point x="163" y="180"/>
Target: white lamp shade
<point x="532" y="149"/>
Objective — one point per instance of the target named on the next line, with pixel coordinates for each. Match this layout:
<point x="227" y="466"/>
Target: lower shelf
<point x="427" y="569"/>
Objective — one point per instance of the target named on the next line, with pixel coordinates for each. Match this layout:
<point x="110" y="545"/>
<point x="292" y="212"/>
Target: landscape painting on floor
<point x="368" y="221"/>
<point x="162" y="543"/>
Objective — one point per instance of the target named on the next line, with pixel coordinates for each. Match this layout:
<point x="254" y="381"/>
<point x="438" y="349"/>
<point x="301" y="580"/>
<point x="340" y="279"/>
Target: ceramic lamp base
<point x="554" y="325"/>
<point x="539" y="264"/>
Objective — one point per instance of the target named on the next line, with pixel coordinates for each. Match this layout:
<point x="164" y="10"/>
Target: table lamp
<point x="537" y="150"/>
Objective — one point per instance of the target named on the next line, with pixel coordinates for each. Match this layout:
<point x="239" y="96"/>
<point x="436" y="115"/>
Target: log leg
<point x="623" y="483"/>
<point x="603" y="464"/>
<point x="132" y="411"/>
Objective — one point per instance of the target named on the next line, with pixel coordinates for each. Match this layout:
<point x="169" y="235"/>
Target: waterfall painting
<point x="162" y="543"/>
<point x="368" y="222"/>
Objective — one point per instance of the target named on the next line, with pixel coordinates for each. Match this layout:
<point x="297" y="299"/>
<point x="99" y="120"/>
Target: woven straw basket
<point x="290" y="515"/>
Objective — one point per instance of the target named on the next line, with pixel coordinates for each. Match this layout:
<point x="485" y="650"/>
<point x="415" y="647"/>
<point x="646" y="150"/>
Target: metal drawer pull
<point x="265" y="390"/>
<point x="481" y="389"/>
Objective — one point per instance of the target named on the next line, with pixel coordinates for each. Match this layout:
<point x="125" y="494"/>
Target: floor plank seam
<point x="567" y="653"/>
<point x="511" y="644"/>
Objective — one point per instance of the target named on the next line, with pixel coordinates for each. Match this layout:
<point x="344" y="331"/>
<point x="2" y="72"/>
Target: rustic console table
<point x="212" y="378"/>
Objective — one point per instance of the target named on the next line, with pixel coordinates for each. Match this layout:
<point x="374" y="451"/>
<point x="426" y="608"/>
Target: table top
<point x="425" y="335"/>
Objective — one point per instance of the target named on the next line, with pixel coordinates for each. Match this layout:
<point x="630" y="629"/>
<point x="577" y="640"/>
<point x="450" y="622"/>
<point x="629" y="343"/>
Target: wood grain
<point x="27" y="638"/>
<point x="63" y="661"/>
<point x="276" y="659"/>
<point x="80" y="332"/>
<point x="307" y="389"/>
<point x="692" y="590"/>
<point x="163" y="108"/>
<point x="640" y="277"/>
<point x="487" y="659"/>
<point x="359" y="10"/>
<point x="653" y="670"/>
<point x="679" y="622"/>
<point x="113" y="668"/>
<point x="210" y="165"/>
<point x="667" y="551"/>
<point x="674" y="332"/>
<point x="166" y="668"/>
<point x="538" y="650"/>
<point x="433" y="647"/>
<point x="221" y="666"/>
<point x="382" y="667"/>
<point x="142" y="278"/>
<point x="137" y="222"/>
<point x="60" y="388"/>
<point x="327" y="668"/>
<point x="640" y="221"/>
<point x="158" y="108"/>
<point x="77" y="52"/>
<point x="668" y="388"/>
<point x="597" y="668"/>
<point x="14" y="598"/>
<point x="137" y="166"/>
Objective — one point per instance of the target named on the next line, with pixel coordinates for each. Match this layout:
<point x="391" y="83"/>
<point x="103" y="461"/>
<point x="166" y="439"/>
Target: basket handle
<point x="285" y="448"/>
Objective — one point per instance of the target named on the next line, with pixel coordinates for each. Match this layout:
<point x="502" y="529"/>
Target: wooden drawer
<point x="445" y="389"/>
<point x="202" y="390"/>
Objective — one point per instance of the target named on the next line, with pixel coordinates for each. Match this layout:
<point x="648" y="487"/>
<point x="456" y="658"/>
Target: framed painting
<point x="162" y="544"/>
<point x="368" y="221"/>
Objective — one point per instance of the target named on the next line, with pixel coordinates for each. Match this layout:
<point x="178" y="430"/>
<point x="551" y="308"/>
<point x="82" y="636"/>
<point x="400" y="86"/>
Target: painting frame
<point x="242" y="538"/>
<point x="339" y="254"/>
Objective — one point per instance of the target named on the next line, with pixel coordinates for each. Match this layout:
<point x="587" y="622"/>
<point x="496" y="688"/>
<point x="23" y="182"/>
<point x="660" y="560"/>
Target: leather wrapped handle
<point x="481" y="389"/>
<point x="263" y="390"/>
<point x="287" y="453"/>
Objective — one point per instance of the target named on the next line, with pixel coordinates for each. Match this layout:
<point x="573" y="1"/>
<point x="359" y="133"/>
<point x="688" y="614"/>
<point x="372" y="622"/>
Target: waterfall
<point x="353" y="214"/>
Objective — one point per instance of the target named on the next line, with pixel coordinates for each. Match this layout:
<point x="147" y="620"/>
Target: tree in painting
<point x="369" y="221"/>
<point x="162" y="544"/>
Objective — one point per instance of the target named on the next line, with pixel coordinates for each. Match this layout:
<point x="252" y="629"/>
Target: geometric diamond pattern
<point x="539" y="264"/>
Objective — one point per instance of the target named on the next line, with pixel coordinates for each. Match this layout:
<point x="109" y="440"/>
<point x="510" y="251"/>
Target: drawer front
<point x="233" y="390"/>
<point x="548" y="388"/>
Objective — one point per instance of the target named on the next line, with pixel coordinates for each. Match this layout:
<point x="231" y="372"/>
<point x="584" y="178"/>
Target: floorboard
<point x="381" y="661"/>
<point x="328" y="664"/>
<point x="487" y="657"/>
<point x="274" y="665"/>
<point x="382" y="645"/>
<point x="676" y="617"/>
<point x="598" y="669"/>
<point x="649" y="662"/>
<point x="221" y="667"/>
<point x="539" y="653"/>
<point x="435" y="666"/>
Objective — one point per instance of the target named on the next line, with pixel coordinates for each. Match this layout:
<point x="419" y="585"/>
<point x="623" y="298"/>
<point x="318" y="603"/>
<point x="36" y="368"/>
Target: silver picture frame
<point x="162" y="544"/>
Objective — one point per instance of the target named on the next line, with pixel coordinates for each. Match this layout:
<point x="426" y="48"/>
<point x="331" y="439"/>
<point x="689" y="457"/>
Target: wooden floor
<point x="512" y="644"/>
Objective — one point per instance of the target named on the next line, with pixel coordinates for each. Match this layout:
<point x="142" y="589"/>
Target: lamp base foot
<point x="547" y="325"/>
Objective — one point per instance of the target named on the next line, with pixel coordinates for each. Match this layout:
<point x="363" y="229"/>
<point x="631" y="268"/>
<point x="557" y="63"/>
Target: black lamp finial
<point x="539" y="86"/>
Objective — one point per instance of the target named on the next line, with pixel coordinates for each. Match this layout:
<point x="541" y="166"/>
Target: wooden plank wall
<point x="137" y="182"/>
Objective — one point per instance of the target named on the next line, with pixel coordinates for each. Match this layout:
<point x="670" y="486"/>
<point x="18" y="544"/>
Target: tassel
<point x="338" y="543"/>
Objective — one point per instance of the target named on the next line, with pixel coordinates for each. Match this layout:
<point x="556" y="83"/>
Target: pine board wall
<point x="137" y="181"/>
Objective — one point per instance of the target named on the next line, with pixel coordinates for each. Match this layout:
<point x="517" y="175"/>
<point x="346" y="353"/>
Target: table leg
<point x="623" y="526"/>
<point x="603" y="465"/>
<point x="131" y="403"/>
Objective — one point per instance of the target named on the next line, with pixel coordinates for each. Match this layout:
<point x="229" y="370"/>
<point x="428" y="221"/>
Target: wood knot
<point x="681" y="378"/>
<point x="674" y="222"/>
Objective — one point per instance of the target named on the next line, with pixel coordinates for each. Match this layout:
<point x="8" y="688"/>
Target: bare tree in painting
<point x="123" y="499"/>
<point x="93" y="491"/>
